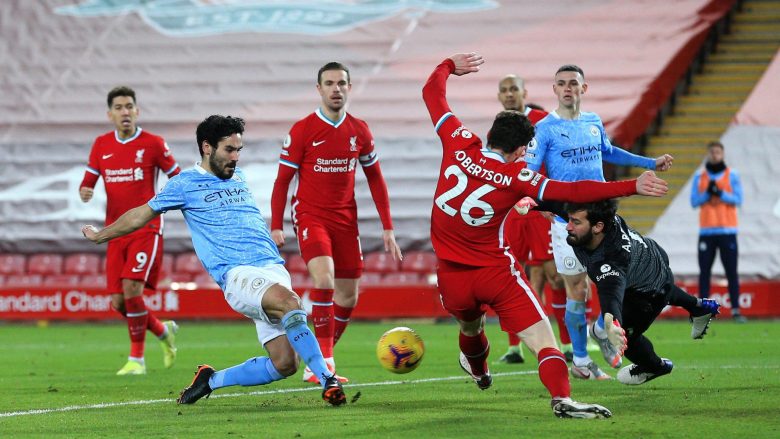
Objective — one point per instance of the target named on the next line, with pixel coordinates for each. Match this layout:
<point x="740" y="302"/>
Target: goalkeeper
<point x="634" y="282"/>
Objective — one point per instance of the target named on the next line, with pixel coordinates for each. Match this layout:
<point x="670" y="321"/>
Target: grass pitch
<point x="58" y="381"/>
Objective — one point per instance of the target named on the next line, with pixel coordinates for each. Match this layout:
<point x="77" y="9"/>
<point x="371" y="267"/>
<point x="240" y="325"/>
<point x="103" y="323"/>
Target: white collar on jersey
<point x="492" y="154"/>
<point x="325" y="119"/>
<point x="133" y="137"/>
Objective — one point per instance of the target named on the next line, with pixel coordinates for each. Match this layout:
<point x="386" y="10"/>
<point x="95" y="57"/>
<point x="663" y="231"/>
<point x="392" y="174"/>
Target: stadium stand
<point x="295" y="263"/>
<point x="82" y="264"/>
<point x="62" y="281"/>
<point x="379" y="262"/>
<point x="419" y="262"/>
<point x="13" y="264"/>
<point x="188" y="263"/>
<point x="45" y="264"/>
<point x="23" y="281"/>
<point x="663" y="67"/>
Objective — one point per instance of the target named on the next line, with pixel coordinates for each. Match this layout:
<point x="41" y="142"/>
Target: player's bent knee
<point x="286" y="364"/>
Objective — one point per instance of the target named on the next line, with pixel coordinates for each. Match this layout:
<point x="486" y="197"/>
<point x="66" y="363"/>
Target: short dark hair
<point x="600" y="211"/>
<point x="121" y="90"/>
<point x="511" y="129"/>
<point x="715" y="144"/>
<point x="571" y="68"/>
<point x="216" y="127"/>
<point x="333" y="65"/>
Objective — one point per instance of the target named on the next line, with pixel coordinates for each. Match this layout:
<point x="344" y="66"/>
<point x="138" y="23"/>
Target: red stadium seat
<point x="379" y="262"/>
<point x="12" y="264"/>
<point x="188" y="263"/>
<point x="82" y="263"/>
<point x="167" y="265"/>
<point x="296" y="264"/>
<point x="93" y="281"/>
<point x="62" y="280"/>
<point x="403" y="278"/>
<point x="205" y="281"/>
<point x="419" y="261"/>
<point x="300" y="282"/>
<point x="371" y="280"/>
<point x="180" y="277"/>
<point x="23" y="281"/>
<point x="44" y="263"/>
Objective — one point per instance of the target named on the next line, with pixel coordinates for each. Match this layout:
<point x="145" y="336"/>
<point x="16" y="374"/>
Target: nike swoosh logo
<point x="565" y="135"/>
<point x="107" y="156"/>
<point x="317" y="143"/>
<point x="137" y="270"/>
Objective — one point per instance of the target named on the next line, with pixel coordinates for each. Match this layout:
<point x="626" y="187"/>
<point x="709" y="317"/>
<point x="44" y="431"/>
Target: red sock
<point x="559" y="310"/>
<point x="153" y="323"/>
<point x="476" y="350"/>
<point x="322" y="317"/>
<point x="514" y="339"/>
<point x="137" y="317"/>
<point x="341" y="316"/>
<point x="554" y="373"/>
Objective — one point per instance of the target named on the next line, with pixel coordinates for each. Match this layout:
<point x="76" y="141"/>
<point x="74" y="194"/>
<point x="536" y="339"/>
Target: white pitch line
<point x="233" y="395"/>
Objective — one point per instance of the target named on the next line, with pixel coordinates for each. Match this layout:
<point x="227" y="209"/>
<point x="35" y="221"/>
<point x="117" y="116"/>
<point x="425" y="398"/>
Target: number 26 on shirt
<point x="472" y="200"/>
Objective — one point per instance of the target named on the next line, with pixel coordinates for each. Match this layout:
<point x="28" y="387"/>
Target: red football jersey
<point x="325" y="154"/>
<point x="129" y="169"/>
<point x="515" y="228"/>
<point x="476" y="188"/>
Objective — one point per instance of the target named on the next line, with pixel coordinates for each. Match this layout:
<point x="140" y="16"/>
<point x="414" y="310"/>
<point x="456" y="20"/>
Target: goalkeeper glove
<point x="615" y="334"/>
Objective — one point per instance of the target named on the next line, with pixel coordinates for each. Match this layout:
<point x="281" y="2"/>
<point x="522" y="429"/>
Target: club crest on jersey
<point x="605" y="268"/>
<point x="525" y="175"/>
<point x="569" y="262"/>
<point x="287" y="142"/>
<point x="532" y="144"/>
<point x="139" y="156"/>
<point x="353" y="143"/>
<point x="594" y="131"/>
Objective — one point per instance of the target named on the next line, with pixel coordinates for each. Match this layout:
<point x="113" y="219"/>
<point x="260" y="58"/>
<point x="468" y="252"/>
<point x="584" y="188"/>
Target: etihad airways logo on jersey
<point x="227" y="196"/>
<point x="314" y="17"/>
<point x="335" y="165"/>
<point x="474" y="169"/>
<point x="123" y="175"/>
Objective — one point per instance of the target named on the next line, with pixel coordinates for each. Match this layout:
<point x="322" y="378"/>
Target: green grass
<point x="723" y="386"/>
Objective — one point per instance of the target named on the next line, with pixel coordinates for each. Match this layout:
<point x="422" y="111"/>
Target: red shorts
<point x="342" y="243"/>
<point x="539" y="238"/>
<point x="136" y="257"/>
<point x="467" y="291"/>
<point x="529" y="237"/>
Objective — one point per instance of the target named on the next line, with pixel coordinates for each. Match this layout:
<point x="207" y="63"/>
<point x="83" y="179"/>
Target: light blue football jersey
<point x="573" y="150"/>
<point x="226" y="225"/>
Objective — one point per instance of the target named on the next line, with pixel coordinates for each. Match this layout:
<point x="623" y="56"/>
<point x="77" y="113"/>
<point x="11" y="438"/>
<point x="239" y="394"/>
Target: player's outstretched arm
<point x="650" y="185"/>
<point x="466" y="63"/>
<point x="664" y="163"/>
<point x="129" y="222"/>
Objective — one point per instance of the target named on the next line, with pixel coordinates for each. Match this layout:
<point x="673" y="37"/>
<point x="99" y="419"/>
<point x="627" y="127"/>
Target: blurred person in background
<point x="717" y="192"/>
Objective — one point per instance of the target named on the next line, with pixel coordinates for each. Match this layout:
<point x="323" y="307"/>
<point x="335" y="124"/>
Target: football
<point x="400" y="350"/>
